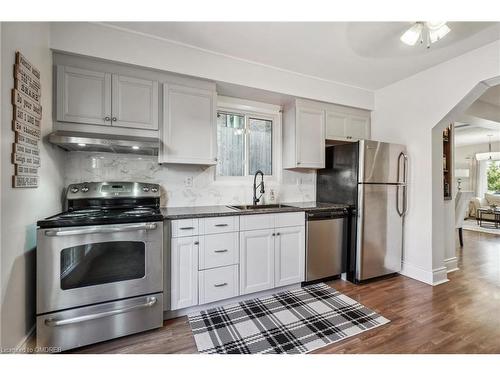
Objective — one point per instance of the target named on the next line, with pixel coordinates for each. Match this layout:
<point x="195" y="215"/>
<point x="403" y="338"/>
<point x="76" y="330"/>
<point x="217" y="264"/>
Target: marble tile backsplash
<point x="293" y="186"/>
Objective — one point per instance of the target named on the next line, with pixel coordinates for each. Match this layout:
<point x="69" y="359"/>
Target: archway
<point x="443" y="211"/>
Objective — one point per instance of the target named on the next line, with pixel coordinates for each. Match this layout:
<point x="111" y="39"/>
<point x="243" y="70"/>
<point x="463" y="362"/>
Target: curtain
<point x="481" y="179"/>
<point x="474" y="176"/>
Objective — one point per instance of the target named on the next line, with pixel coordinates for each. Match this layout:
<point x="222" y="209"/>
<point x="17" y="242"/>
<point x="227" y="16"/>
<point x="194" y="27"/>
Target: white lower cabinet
<point x="184" y="272"/>
<point x="218" y="283"/>
<point x="213" y="267"/>
<point x="256" y="260"/>
<point x="289" y="255"/>
<point x="271" y="258"/>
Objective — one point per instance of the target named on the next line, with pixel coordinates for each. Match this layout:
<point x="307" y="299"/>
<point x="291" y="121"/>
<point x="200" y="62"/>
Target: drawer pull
<point x="220" y="251"/>
<point x="196" y="243"/>
<point x="219" y="285"/>
<point x="221" y="225"/>
<point x="186" y="228"/>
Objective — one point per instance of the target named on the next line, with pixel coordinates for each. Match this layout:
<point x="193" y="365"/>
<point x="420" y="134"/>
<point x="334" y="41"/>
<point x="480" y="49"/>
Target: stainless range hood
<point x="75" y="141"/>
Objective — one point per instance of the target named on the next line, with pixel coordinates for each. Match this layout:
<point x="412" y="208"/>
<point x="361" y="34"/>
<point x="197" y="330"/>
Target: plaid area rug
<point x="295" y="321"/>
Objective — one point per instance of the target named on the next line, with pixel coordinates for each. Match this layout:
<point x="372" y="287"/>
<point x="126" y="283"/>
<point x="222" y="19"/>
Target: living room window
<point x="493" y="176"/>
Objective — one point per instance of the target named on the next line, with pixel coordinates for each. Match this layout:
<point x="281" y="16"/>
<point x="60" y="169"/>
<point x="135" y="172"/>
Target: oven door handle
<point x="62" y="322"/>
<point x="98" y="229"/>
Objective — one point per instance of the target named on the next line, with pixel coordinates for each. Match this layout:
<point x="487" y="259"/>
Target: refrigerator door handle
<point x="402" y="156"/>
<point x="405" y="191"/>
<point x="400" y="212"/>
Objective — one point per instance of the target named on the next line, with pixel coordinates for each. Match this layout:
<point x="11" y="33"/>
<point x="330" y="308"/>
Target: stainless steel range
<point x="99" y="265"/>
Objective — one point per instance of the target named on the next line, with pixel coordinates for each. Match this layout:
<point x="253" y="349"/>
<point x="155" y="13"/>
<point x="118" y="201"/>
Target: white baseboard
<point x="451" y="264"/>
<point x="439" y="276"/>
<point x="435" y="277"/>
<point x="22" y="346"/>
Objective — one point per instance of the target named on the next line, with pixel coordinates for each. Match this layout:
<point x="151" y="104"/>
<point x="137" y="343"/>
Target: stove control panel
<point x="113" y="190"/>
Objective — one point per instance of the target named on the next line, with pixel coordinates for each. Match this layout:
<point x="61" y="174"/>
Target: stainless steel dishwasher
<point x="326" y="246"/>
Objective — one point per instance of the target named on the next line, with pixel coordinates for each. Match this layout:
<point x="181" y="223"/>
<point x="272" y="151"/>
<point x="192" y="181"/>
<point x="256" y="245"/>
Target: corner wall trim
<point x="451" y="264"/>
<point x="435" y="277"/>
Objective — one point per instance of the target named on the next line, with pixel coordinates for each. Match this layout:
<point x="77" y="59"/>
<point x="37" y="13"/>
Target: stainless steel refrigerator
<point x="371" y="177"/>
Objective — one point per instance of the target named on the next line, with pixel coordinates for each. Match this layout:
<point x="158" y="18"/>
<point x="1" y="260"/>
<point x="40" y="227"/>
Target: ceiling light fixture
<point x="135" y="147"/>
<point x="431" y="31"/>
<point x="488" y="155"/>
<point x="82" y="144"/>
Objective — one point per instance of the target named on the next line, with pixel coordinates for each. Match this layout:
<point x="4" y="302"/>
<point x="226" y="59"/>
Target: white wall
<point x="406" y="112"/>
<point x="107" y="42"/>
<point x="21" y="208"/>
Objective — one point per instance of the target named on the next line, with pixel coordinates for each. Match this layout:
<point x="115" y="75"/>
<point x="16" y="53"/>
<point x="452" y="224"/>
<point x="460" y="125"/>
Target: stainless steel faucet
<point x="261" y="185"/>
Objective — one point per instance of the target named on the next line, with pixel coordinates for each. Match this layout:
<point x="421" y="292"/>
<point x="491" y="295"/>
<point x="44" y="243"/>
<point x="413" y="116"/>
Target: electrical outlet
<point x="188" y="182"/>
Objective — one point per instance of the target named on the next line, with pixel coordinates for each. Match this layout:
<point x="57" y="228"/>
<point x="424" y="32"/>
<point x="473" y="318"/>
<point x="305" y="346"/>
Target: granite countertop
<point x="173" y="213"/>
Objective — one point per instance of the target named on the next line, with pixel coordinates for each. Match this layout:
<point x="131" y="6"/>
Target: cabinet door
<point x="189" y="134"/>
<point x="358" y="127"/>
<point x="135" y="102"/>
<point x="83" y="96"/>
<point x="184" y="272"/>
<point x="336" y="124"/>
<point x="256" y="260"/>
<point x="310" y="138"/>
<point x="289" y="255"/>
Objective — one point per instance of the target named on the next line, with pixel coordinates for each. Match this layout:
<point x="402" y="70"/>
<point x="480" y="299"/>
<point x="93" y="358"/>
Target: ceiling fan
<point x="430" y="31"/>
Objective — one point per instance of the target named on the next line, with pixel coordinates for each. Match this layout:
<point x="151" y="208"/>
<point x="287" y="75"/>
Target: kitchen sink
<point x="258" y="207"/>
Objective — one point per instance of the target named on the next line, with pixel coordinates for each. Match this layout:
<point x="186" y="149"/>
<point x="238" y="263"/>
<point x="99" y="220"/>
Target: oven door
<point x="78" y="266"/>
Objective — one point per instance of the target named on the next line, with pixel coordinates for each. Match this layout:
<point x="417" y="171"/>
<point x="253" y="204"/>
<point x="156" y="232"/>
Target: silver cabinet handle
<point x="55" y="323"/>
<point x="114" y="119"/>
<point x="220" y="251"/>
<point x="221" y="225"/>
<point x="186" y="228"/>
<point x="107" y="118"/>
<point x="219" y="285"/>
<point x="98" y="229"/>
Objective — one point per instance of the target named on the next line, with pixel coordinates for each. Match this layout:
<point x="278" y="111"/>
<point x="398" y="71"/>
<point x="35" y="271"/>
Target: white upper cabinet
<point x="102" y="98"/>
<point x="83" y="96"/>
<point x="304" y="135"/>
<point x="135" y="102"/>
<point x="346" y="124"/>
<point x="189" y="125"/>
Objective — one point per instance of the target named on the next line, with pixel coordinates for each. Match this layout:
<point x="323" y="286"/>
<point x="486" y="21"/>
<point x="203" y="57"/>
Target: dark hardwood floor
<point x="461" y="316"/>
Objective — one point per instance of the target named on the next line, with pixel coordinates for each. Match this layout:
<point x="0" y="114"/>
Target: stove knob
<point x="145" y="189"/>
<point x="154" y="190"/>
<point x="85" y="189"/>
<point x="74" y="189"/>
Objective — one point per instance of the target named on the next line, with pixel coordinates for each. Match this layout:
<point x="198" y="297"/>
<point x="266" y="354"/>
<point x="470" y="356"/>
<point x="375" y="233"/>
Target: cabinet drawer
<point x="254" y="222"/>
<point x="217" y="250"/>
<point x="184" y="227"/>
<point x="290" y="219"/>
<point x="218" y="283"/>
<point x="222" y="224"/>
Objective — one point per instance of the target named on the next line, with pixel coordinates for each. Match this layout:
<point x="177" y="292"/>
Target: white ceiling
<point x="363" y="54"/>
<point x="491" y="96"/>
<point x="473" y="130"/>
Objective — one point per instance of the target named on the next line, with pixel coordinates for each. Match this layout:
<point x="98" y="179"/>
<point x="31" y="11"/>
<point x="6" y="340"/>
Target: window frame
<point x="250" y="109"/>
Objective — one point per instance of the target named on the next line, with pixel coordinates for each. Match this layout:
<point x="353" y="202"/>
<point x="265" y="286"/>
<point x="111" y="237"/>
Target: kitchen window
<point x="244" y="143"/>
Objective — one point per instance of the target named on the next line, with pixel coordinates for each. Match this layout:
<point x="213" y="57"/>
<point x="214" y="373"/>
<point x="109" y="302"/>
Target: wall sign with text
<point x="26" y="123"/>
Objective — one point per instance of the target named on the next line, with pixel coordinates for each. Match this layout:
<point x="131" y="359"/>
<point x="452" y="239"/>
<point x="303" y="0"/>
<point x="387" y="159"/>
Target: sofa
<point x="488" y="200"/>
